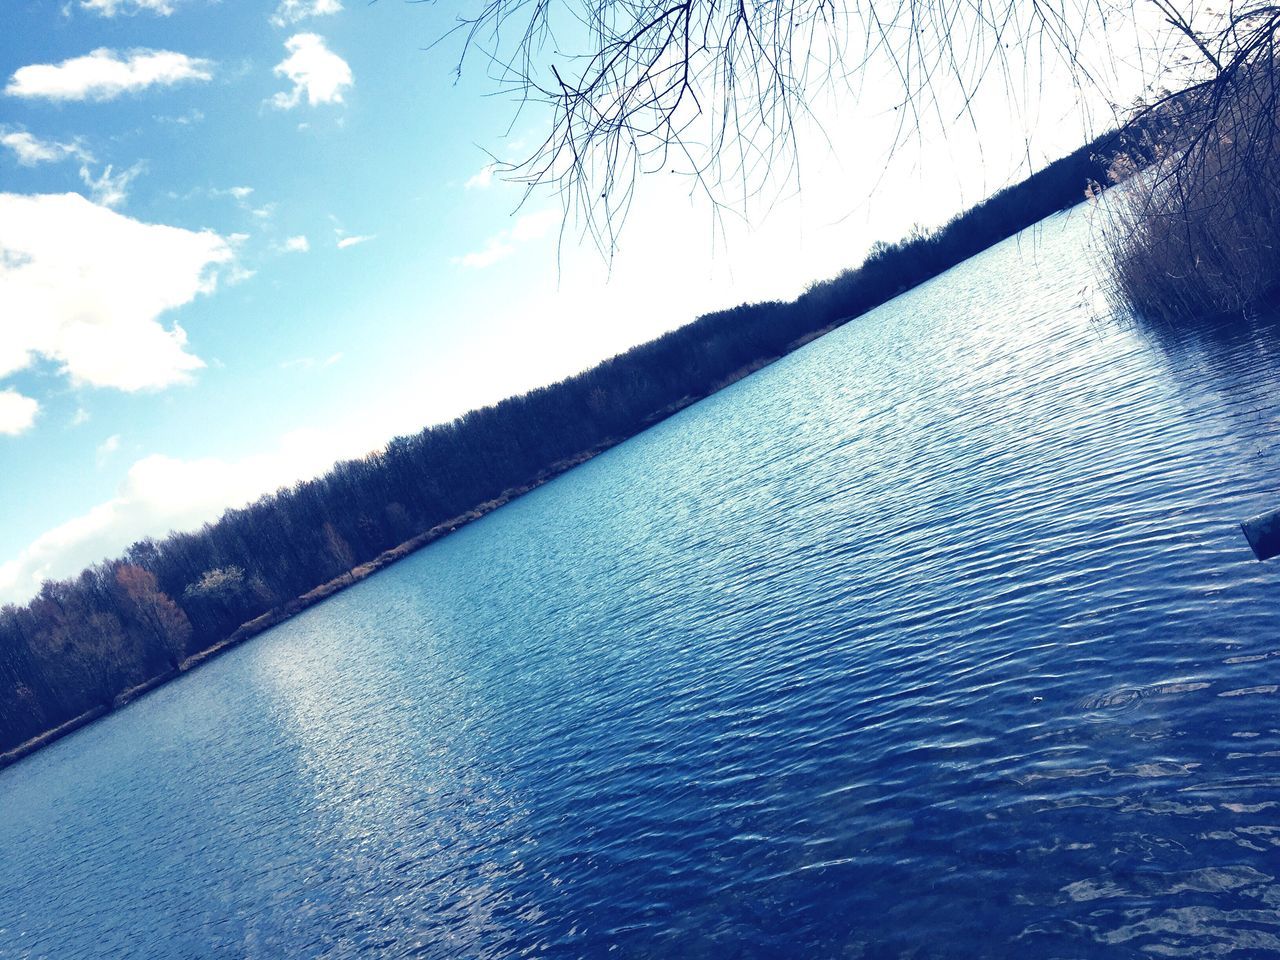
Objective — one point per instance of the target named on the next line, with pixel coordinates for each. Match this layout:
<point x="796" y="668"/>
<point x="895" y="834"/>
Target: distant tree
<point x="225" y="597"/>
<point x="221" y="584"/>
<point x="84" y="647"/>
<point x="338" y="549"/>
<point x="162" y="620"/>
<point x="399" y="521"/>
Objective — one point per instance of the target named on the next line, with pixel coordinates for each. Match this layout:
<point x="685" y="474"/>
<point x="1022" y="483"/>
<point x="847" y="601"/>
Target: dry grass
<point x="1196" y="233"/>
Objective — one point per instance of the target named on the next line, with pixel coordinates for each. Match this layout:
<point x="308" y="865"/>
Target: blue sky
<point x="241" y="239"/>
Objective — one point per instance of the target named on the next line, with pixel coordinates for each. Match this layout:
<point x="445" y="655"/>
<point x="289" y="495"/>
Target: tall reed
<point x="1192" y="228"/>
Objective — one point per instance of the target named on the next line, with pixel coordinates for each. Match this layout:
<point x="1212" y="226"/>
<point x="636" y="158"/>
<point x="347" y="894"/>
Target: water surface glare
<point x="935" y="639"/>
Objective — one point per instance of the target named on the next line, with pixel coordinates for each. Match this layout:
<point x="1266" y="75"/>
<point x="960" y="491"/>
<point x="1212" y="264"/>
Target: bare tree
<point x="717" y="89"/>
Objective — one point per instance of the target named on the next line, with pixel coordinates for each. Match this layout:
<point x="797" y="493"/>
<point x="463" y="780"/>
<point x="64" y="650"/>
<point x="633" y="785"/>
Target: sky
<point x="242" y="239"/>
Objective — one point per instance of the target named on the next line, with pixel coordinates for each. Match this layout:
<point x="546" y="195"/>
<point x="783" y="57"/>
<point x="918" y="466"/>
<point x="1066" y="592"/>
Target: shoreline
<point x="278" y="615"/>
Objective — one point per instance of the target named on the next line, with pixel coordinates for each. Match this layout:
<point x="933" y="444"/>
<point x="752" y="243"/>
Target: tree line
<point x="81" y="643"/>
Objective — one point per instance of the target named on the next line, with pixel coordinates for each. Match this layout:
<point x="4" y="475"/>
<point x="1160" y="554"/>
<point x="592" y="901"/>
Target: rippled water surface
<point x="935" y="639"/>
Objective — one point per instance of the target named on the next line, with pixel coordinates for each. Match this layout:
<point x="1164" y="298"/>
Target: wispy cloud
<point x="111" y="8"/>
<point x="104" y="74"/>
<point x="110" y="189"/>
<point x="291" y="11"/>
<point x="17" y="413"/>
<point x="106" y="448"/>
<point x="498" y="248"/>
<point x="486" y="176"/>
<point x="530" y="227"/>
<point x="311" y="363"/>
<point x="188" y="119"/>
<point x="298" y="244"/>
<point x="31" y="150"/>
<point x="239" y="194"/>
<point x="346" y="242"/>
<point x="317" y="73"/>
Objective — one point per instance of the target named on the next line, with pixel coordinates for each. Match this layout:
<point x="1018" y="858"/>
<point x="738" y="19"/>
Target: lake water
<point x="937" y="638"/>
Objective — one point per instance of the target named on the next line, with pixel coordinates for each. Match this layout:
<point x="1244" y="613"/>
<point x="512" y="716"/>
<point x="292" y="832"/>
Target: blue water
<point x="935" y="639"/>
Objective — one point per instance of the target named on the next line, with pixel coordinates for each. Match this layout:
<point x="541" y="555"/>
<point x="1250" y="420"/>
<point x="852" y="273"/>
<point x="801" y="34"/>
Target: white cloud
<point x="111" y="8"/>
<point x="496" y="249"/>
<point x="535" y="226"/>
<point x="345" y="242"/>
<point x="106" y="448"/>
<point x="31" y="150"/>
<point x="240" y="193"/>
<point x="291" y="11"/>
<point x="110" y="189"/>
<point x="298" y="244"/>
<point x="17" y="413"/>
<point x="482" y="179"/>
<point x="80" y="417"/>
<point x="317" y="73"/>
<point x="531" y="226"/>
<point x="86" y="287"/>
<point x="104" y="75"/>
